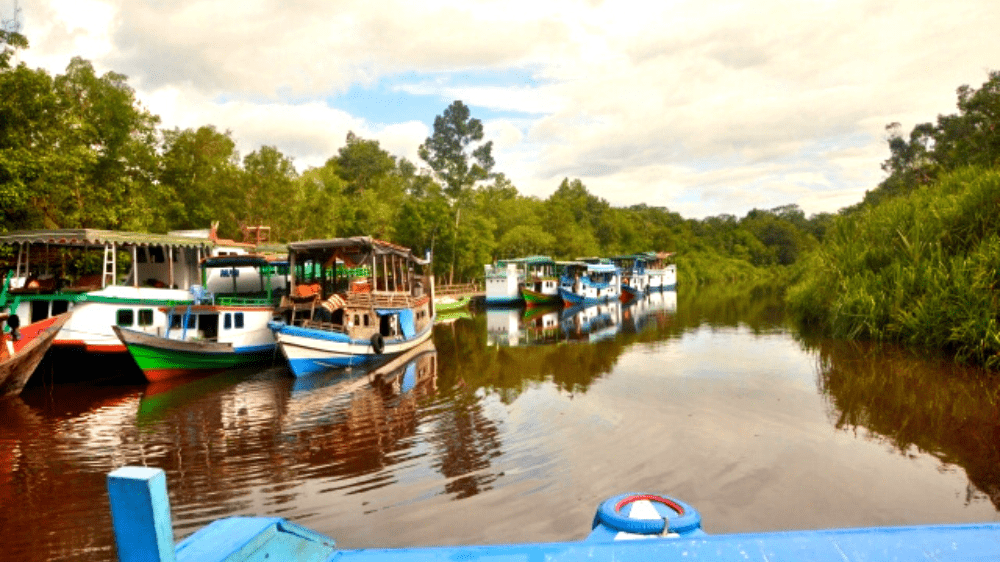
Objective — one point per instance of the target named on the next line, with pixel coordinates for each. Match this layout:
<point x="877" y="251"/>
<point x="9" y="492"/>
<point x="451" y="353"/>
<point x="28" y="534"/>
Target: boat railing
<point x="244" y="301"/>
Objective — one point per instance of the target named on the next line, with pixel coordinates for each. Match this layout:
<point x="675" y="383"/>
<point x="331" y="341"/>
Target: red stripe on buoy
<point x="650" y="497"/>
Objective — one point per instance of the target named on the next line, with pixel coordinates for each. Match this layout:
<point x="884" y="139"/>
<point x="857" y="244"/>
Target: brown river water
<point x="514" y="429"/>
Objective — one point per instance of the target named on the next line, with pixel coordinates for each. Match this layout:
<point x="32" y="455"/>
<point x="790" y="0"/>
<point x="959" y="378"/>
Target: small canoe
<point x="18" y="359"/>
<point x="449" y="304"/>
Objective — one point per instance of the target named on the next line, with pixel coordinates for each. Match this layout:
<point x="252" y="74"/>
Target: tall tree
<point x="200" y="167"/>
<point x="457" y="159"/>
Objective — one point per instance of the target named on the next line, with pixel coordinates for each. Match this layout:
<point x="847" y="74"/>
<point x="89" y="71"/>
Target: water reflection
<point x="707" y="395"/>
<point x="513" y="327"/>
<point x="917" y="403"/>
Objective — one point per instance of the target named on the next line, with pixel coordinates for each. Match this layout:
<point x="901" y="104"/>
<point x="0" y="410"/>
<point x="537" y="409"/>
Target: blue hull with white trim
<point x="309" y="350"/>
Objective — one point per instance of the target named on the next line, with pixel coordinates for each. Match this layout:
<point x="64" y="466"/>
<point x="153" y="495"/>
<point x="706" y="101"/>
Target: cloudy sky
<point x="705" y="107"/>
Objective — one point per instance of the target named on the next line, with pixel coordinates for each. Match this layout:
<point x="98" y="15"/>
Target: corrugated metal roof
<point x="94" y="237"/>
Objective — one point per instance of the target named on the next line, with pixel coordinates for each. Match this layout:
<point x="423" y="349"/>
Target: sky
<point x="703" y="107"/>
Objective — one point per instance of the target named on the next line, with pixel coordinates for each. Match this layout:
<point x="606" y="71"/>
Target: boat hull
<point x="570" y="298"/>
<point x="452" y="305"/>
<point x="534" y="298"/>
<point x="162" y="359"/>
<point x="309" y="350"/>
<point x="28" y="353"/>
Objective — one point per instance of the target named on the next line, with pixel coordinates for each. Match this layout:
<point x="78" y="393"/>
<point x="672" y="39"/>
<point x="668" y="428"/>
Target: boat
<point x="218" y="331"/>
<point x="589" y="281"/>
<point x="591" y="323"/>
<point x="506" y="278"/>
<point x="352" y="301"/>
<point x="23" y="348"/>
<point x="662" y="272"/>
<point x="141" y="275"/>
<point x="451" y="304"/>
<point x="627" y="527"/>
<point x="635" y="280"/>
<point x="541" y="282"/>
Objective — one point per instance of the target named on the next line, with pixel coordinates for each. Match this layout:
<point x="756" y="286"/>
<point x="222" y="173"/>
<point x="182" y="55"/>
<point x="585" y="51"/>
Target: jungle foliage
<point x="78" y="150"/>
<point x="918" y="262"/>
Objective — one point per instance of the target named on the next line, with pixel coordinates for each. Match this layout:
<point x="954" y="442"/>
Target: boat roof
<point x="355" y="243"/>
<point x="241" y="260"/>
<point x="84" y="237"/>
<point x="598" y="267"/>
<point x="642" y="256"/>
<point x="528" y="260"/>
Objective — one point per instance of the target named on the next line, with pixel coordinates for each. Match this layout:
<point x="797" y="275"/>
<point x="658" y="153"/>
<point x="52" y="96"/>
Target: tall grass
<point x="702" y="267"/>
<point x="922" y="270"/>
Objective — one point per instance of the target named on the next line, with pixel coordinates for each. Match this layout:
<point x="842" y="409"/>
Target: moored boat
<point x="507" y="279"/>
<point x="589" y="281"/>
<point x="140" y="276"/>
<point x="352" y="300"/>
<point x="23" y="348"/>
<point x="635" y="279"/>
<point x="220" y="331"/>
<point x="451" y="304"/>
<point x="662" y="272"/>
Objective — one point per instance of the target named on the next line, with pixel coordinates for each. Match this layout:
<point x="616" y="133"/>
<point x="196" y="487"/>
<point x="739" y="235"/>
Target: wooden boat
<point x="506" y="279"/>
<point x="374" y="305"/>
<point x="162" y="271"/>
<point x="451" y="304"/>
<point x="589" y="281"/>
<point x="662" y="272"/>
<point x="635" y="280"/>
<point x="221" y="331"/>
<point x="22" y="350"/>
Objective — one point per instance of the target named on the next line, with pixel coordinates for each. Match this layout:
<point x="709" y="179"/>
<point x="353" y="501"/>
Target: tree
<point x="268" y="194"/>
<point x="454" y="157"/>
<point x="362" y="162"/>
<point x="448" y="153"/>
<point x="200" y="167"/>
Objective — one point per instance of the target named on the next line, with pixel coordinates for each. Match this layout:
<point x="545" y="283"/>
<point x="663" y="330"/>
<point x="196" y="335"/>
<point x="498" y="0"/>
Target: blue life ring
<point x="609" y="514"/>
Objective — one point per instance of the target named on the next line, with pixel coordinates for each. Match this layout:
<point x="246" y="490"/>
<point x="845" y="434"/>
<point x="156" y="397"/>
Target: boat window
<point x="145" y="316"/>
<point x="175" y="321"/>
<point x="366" y="319"/>
<point x="58" y="307"/>
<point x="208" y="325"/>
<point x="228" y="321"/>
<point x="192" y="321"/>
<point x="140" y="255"/>
<point x="357" y="320"/>
<point x="238" y="320"/>
<point x="156" y="254"/>
<point x="125" y="317"/>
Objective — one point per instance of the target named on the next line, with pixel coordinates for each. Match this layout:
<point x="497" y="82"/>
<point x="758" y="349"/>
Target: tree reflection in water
<point x="946" y="410"/>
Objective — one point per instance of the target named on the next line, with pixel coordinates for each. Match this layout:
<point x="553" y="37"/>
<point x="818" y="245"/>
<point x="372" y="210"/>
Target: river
<point x="513" y="429"/>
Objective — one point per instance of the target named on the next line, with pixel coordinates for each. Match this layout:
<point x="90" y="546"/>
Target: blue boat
<point x="352" y="301"/>
<point x="635" y="278"/>
<point x="629" y="527"/>
<point x="589" y="281"/>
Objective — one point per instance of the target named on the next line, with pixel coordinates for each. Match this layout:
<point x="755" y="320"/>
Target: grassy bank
<point x="921" y="269"/>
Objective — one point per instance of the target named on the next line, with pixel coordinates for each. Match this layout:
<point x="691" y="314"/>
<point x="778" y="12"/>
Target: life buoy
<point x="378" y="343"/>
<point x="609" y="514"/>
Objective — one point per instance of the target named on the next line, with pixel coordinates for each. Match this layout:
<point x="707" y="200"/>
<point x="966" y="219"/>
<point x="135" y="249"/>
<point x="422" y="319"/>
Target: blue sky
<point x="704" y="108"/>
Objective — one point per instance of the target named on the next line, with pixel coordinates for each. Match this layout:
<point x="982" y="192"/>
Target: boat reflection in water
<point x="512" y="327"/>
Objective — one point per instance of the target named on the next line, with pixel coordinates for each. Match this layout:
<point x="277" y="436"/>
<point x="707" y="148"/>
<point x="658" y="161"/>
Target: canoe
<point x="33" y="341"/>
<point x="449" y="304"/>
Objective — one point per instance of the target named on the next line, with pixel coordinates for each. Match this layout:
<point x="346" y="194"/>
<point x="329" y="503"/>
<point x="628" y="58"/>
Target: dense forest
<point x="918" y="261"/>
<point x="79" y="150"/>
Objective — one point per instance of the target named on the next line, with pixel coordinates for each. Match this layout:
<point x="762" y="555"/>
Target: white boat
<point x="506" y="280"/>
<point x="662" y="271"/>
<point x="589" y="281"/>
<point x="353" y="300"/>
<point x="140" y="276"/>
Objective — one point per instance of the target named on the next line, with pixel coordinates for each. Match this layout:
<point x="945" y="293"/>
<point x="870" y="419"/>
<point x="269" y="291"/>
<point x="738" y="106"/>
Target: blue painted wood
<point x="140" y="513"/>
<point x="917" y="544"/>
<point x="255" y="539"/>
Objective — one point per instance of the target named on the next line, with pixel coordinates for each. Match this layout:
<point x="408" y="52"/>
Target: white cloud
<point x="704" y="108"/>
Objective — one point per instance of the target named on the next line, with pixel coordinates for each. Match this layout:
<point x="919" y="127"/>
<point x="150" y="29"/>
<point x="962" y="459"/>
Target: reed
<point x="921" y="270"/>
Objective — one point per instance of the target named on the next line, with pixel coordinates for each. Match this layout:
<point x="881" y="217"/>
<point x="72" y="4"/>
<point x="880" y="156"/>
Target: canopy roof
<point x="530" y="260"/>
<point x="243" y="260"/>
<point x="83" y="237"/>
<point x="595" y="267"/>
<point x="354" y="244"/>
